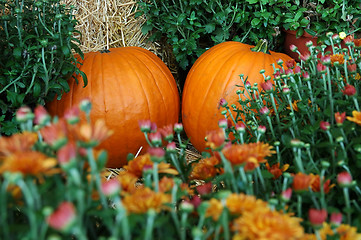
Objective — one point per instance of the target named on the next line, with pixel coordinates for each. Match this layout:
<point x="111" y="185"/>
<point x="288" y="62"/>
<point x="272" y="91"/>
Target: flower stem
<point x="150" y="222"/>
<point x="348" y="205"/>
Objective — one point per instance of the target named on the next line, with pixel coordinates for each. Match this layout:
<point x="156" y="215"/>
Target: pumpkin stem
<point x="261" y="46"/>
<point x="104" y="51"/>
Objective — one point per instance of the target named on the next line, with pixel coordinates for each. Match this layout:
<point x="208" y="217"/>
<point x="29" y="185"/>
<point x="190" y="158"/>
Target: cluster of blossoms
<point x="282" y="167"/>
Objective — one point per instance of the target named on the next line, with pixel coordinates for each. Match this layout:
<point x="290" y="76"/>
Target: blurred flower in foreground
<point x="63" y="217"/>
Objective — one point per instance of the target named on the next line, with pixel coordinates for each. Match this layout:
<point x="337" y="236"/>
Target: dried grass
<point x="105" y="24"/>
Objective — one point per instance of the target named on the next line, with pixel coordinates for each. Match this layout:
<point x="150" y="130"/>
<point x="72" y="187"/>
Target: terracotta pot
<point x="300" y="43"/>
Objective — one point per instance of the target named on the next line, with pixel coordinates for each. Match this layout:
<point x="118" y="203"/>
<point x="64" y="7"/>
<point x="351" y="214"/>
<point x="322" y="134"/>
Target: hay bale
<point x="105" y="24"/>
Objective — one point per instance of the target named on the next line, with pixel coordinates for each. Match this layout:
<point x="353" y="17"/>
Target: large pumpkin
<point x="125" y="85"/>
<point x="215" y="75"/>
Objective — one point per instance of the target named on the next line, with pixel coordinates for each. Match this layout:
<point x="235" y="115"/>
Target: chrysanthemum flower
<point x="238" y="204"/>
<point x="143" y="199"/>
<point x="29" y="163"/>
<point x="345" y="232"/>
<point x="215" y="139"/>
<point x="275" y="169"/>
<point x="356" y="117"/>
<point x="340" y="58"/>
<point x="136" y="166"/>
<point x="271" y="225"/>
<point x="205" y="169"/>
<point x="214" y="209"/>
<point x="252" y="154"/>
<point x="55" y="134"/>
<point x="92" y="134"/>
<point x="19" y="142"/>
<point x="301" y="182"/>
<point x="316" y="184"/>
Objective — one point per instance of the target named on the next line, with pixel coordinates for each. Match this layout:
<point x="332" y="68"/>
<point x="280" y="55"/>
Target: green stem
<point x="348" y="205"/>
<point x="150" y="222"/>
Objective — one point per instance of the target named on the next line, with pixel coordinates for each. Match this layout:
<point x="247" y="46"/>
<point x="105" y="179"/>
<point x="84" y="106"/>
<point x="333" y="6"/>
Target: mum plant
<point x="37" y="47"/>
<point x="283" y="167"/>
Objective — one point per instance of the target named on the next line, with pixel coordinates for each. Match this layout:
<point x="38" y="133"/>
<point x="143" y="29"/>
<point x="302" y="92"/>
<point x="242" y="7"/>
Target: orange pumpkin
<point x="125" y="85"/>
<point x="215" y="75"/>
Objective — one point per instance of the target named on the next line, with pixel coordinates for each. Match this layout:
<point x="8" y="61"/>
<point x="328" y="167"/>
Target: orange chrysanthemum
<point x="93" y="134"/>
<point x="214" y="209"/>
<point x="345" y="232"/>
<point x="241" y="203"/>
<point x="301" y="182"/>
<point x="275" y="169"/>
<point x="252" y="154"/>
<point x="271" y="225"/>
<point x="143" y="199"/>
<point x="19" y="142"/>
<point x="137" y="165"/>
<point x="356" y="117"/>
<point x="127" y="181"/>
<point x="316" y="184"/>
<point x="205" y="169"/>
<point x="340" y="58"/>
<point x="28" y="163"/>
<point x="215" y="139"/>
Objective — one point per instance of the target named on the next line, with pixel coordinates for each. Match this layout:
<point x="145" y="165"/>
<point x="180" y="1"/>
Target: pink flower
<point x="42" y="116"/>
<point x="306" y="76"/>
<point x="63" y="217"/>
<point x="67" y="153"/>
<point x="171" y="146"/>
<point x="293" y="48"/>
<point x="261" y="129"/>
<point x="156" y="152"/>
<point x="222" y="123"/>
<point x="344" y="179"/>
<point x="336" y="218"/>
<point x="321" y="68"/>
<point x="267" y="86"/>
<point x="289" y="71"/>
<point x="195" y="201"/>
<point x="24" y="114"/>
<point x="167" y="132"/>
<point x="223" y="102"/>
<point x="145" y="125"/>
<point x="317" y="217"/>
<point x="325" y="59"/>
<point x="205" y="188"/>
<point x="352" y="68"/>
<point x="286" y="194"/>
<point x="285" y="90"/>
<point x="155" y="138"/>
<point x="72" y="115"/>
<point x="349" y="90"/>
<point x="324" y="125"/>
<point x="110" y="187"/>
<point x="297" y="70"/>
<point x="178" y="127"/>
<point x="305" y="57"/>
<point x="290" y="63"/>
<point x="264" y="110"/>
<point x="240" y="127"/>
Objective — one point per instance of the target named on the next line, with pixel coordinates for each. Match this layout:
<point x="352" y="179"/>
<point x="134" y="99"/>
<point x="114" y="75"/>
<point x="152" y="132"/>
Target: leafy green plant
<point x="191" y="27"/>
<point x="36" y="54"/>
<point x="318" y="17"/>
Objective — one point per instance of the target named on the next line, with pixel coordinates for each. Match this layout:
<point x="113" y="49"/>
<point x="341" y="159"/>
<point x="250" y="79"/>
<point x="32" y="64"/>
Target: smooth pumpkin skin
<point x="215" y="75"/>
<point x="125" y="85"/>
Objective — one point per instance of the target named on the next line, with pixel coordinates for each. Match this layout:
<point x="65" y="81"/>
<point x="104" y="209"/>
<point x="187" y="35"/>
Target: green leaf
<point x="17" y="52"/>
<point x="210" y="27"/>
<point x="255" y="22"/>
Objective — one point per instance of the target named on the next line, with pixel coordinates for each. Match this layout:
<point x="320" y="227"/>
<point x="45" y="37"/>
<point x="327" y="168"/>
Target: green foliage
<point x="36" y="54"/>
<point x="321" y="17"/>
<point x="191" y="27"/>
